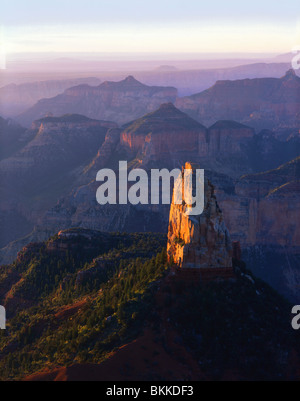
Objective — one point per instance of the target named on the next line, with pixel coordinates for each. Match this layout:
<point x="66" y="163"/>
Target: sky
<point x="161" y="26"/>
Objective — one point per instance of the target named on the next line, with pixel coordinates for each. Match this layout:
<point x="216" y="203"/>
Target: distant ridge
<point x="228" y="124"/>
<point x="262" y="103"/>
<point x="66" y="118"/>
<point x="130" y="81"/>
<point x="120" y="101"/>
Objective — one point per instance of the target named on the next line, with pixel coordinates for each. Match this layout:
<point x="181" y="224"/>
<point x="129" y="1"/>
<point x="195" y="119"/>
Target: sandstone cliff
<point x="199" y="241"/>
<point x="164" y="133"/>
<point x="168" y="132"/>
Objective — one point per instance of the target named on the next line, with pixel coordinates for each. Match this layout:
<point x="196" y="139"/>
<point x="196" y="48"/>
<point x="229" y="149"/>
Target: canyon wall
<point x="168" y="131"/>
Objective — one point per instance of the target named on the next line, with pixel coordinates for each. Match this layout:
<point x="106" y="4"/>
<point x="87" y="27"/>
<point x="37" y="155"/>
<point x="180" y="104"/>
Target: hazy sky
<point x="149" y="26"/>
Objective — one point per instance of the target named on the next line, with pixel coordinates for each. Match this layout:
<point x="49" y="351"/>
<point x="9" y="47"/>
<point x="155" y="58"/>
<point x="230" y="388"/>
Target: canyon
<point x="165" y="138"/>
<point x="49" y="180"/>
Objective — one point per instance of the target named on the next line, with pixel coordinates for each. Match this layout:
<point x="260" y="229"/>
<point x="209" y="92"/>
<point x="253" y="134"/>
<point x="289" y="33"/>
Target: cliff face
<point x="199" y="241"/>
<point x="227" y="138"/>
<point x="117" y="101"/>
<point x="168" y="131"/>
<point x="261" y="102"/>
<point x="59" y="143"/>
<point x="165" y="132"/>
<point x="265" y="207"/>
<point x="112" y="140"/>
<point x="48" y="166"/>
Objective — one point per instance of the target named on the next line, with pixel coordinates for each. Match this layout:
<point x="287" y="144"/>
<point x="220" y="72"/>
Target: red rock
<point x="199" y="242"/>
